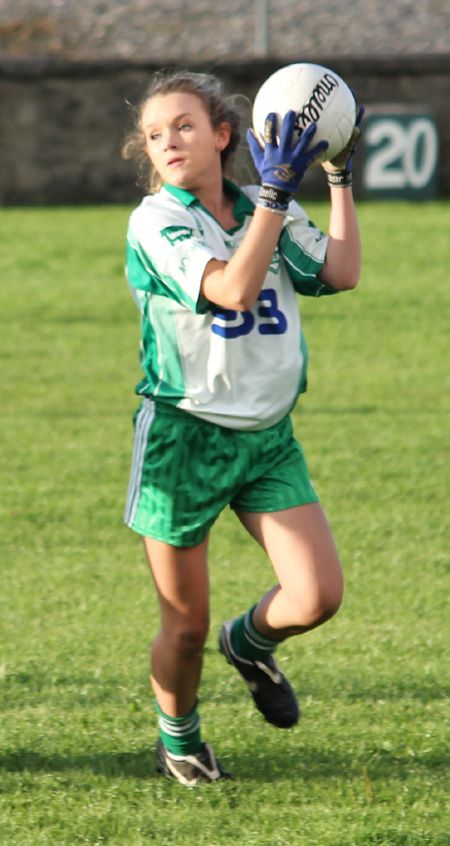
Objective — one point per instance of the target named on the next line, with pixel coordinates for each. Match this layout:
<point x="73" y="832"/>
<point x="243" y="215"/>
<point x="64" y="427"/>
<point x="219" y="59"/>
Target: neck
<point x="223" y="211"/>
<point x="219" y="204"/>
<point x="211" y="194"/>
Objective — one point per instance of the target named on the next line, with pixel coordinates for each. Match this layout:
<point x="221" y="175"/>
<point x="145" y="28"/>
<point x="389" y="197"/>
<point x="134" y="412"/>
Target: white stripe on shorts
<point x="143" y="423"/>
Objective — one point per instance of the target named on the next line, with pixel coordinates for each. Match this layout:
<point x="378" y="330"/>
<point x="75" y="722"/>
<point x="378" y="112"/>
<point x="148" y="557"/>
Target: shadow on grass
<point x="312" y="764"/>
<point x="39" y="686"/>
<point x="307" y="764"/>
<point x="139" y="765"/>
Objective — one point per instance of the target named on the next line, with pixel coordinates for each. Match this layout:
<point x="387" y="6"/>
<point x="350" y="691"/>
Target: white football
<point x="316" y="94"/>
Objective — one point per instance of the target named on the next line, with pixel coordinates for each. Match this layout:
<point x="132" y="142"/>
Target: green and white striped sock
<point x="247" y="642"/>
<point x="180" y="735"/>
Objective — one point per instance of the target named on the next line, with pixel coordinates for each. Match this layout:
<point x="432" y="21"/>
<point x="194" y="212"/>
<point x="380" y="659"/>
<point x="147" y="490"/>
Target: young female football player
<point x="215" y="270"/>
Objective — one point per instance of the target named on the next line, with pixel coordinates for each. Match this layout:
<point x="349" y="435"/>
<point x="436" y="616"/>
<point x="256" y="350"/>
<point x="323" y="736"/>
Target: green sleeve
<point x="303" y="258"/>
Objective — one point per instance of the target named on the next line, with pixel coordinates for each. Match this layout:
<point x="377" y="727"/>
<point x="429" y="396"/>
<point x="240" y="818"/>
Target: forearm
<point x="237" y="283"/>
<point x="281" y="166"/>
<point x="342" y="266"/>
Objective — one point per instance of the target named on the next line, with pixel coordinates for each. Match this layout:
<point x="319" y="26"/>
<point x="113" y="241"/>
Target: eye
<point x="154" y="136"/>
<point x="185" y="127"/>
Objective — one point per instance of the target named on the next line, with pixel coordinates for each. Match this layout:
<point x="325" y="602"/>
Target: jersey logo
<point x="197" y="220"/>
<point x="275" y="263"/>
<point x="177" y="233"/>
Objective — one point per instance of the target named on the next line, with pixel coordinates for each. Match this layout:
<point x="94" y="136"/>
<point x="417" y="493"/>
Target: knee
<point x="187" y="636"/>
<point x="314" y="606"/>
<point x="322" y="604"/>
<point x="329" y="606"/>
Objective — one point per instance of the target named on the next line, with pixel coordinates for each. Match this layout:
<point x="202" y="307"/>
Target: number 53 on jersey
<point x="269" y="320"/>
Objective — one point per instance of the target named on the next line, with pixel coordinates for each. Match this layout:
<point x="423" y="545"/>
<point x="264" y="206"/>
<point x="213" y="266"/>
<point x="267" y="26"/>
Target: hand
<point x="343" y="161"/>
<point x="280" y="165"/>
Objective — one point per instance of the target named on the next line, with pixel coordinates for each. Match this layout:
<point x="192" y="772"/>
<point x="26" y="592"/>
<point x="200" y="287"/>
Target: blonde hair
<point x="220" y="109"/>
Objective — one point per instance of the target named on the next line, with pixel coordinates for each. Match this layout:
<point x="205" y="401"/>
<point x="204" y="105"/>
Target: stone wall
<point x="63" y="123"/>
<point x="206" y="30"/>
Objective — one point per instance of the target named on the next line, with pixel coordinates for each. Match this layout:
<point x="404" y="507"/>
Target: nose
<point x="169" y="140"/>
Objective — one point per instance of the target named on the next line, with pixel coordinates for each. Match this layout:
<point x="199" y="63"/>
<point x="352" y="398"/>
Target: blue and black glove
<point x="339" y="169"/>
<point x="282" y="166"/>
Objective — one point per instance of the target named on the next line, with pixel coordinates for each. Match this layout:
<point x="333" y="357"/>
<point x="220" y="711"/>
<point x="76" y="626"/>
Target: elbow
<point x="347" y="281"/>
<point x="354" y="276"/>
<point x="342" y="275"/>
<point x="244" y="304"/>
<point x="228" y="299"/>
<point x="238" y="303"/>
<point x="351" y="282"/>
<point x="230" y="304"/>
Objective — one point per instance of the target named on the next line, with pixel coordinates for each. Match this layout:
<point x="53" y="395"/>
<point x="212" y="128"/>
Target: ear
<point x="223" y="135"/>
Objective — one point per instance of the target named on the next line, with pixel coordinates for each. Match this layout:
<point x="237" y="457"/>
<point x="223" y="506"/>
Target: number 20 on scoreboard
<point x="401" y="152"/>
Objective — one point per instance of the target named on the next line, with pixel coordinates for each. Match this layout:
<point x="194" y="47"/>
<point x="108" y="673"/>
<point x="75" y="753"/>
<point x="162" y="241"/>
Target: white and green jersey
<point x="243" y="370"/>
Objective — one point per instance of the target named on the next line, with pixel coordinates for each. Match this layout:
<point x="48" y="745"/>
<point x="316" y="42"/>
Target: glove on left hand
<point x="343" y="161"/>
<point x="282" y="166"/>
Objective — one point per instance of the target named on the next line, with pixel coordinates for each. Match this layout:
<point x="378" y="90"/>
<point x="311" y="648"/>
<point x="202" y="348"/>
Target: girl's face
<point x="181" y="142"/>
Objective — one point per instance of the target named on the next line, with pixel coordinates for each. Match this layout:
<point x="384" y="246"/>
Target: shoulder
<point x="155" y="206"/>
<point x="157" y="213"/>
<point x="297" y="212"/>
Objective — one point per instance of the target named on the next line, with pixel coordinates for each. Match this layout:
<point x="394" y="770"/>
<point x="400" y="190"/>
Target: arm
<point x="237" y="283"/>
<point x="342" y="266"/>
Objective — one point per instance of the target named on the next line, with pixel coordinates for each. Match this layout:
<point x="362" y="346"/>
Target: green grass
<point x="369" y="763"/>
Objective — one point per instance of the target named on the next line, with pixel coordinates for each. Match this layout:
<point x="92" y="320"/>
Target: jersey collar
<point x="242" y="204"/>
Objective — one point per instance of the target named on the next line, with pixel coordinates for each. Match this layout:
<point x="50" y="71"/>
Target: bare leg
<point x="181" y="579"/>
<point x="301" y="548"/>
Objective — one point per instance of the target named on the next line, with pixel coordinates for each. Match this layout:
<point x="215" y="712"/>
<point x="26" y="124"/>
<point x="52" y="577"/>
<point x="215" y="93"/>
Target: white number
<point x="408" y="159"/>
<point x="421" y="132"/>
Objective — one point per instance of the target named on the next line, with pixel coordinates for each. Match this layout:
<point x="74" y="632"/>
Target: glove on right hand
<point x="282" y="166"/>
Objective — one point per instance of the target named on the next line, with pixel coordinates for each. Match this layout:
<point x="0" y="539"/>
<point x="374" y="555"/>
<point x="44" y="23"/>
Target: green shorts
<point x="185" y="471"/>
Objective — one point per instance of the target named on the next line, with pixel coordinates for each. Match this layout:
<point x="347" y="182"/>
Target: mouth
<point x="176" y="160"/>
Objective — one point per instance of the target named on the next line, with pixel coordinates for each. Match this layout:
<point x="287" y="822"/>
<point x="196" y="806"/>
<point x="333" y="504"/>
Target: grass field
<point x="369" y="763"/>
